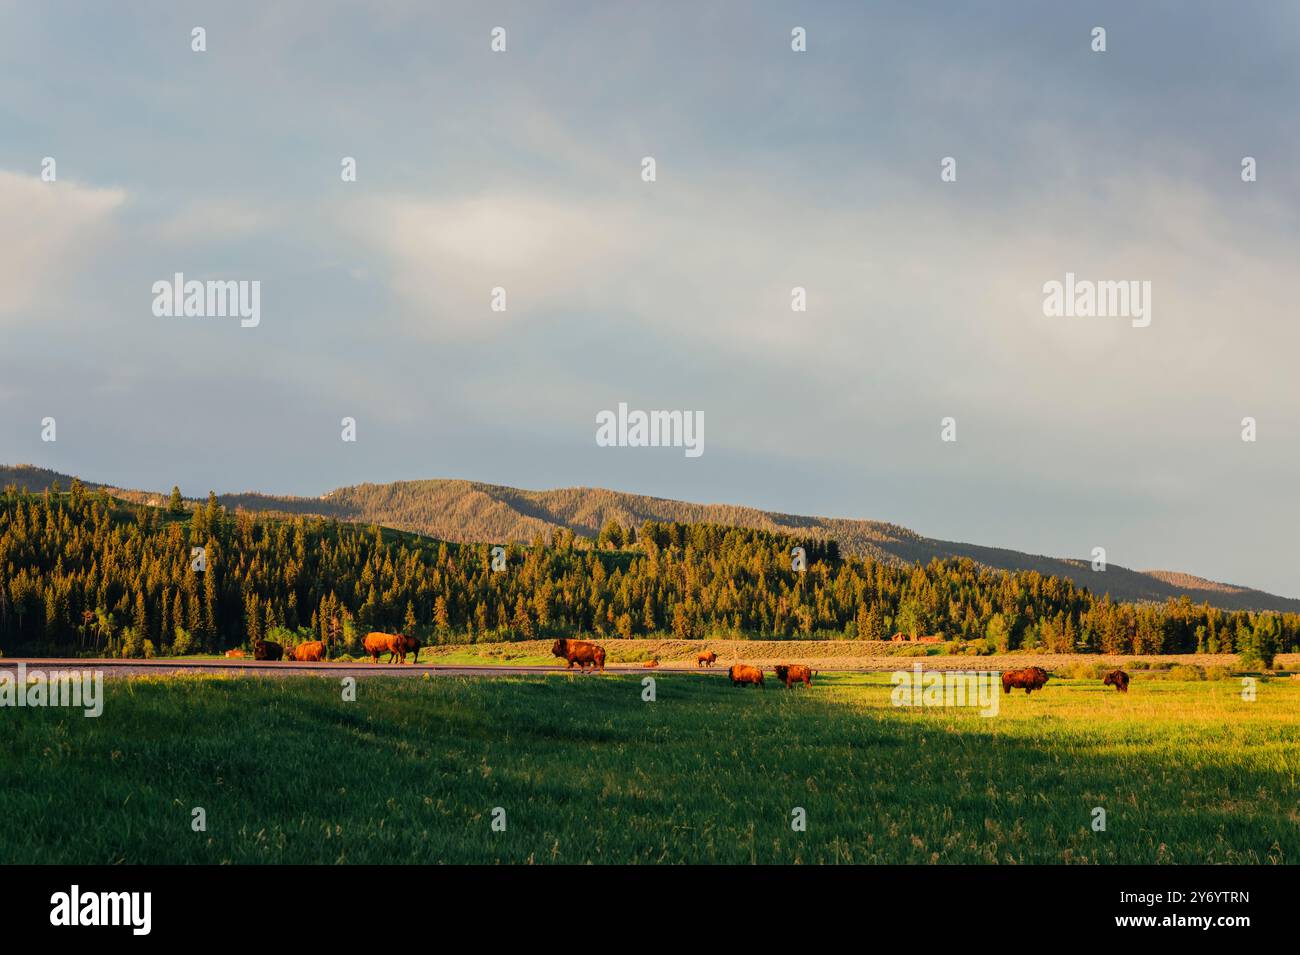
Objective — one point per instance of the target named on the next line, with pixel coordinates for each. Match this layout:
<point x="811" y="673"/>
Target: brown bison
<point x="313" y="651"/>
<point x="1028" y="679"/>
<point x="653" y="662"/>
<point x="267" y="650"/>
<point x="236" y="654"/>
<point x="394" y="644"/>
<point x="402" y="644"/>
<point x="376" y="643"/>
<point x="1118" y="679"/>
<point x="706" y="659"/>
<point x="792" y="673"/>
<point x="743" y="673"/>
<point x="580" y="652"/>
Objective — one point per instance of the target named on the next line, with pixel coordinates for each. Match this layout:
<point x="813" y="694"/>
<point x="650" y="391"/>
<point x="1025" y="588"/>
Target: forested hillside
<point x="82" y="571"/>
<point x="472" y="512"/>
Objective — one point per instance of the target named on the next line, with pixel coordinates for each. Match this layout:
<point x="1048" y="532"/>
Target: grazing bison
<point x="1118" y="679"/>
<point x="236" y="654"/>
<point x="266" y="650"/>
<point x="394" y="644"/>
<point x="706" y="659"/>
<point x="792" y="673"/>
<point x="1028" y="679"/>
<point x="401" y="645"/>
<point x="742" y="673"/>
<point x="653" y="662"/>
<point x="313" y="651"/>
<point x="377" y="643"/>
<point x="580" y="652"/>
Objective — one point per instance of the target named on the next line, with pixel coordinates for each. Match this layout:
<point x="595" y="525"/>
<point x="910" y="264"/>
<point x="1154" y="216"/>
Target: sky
<point x="775" y="169"/>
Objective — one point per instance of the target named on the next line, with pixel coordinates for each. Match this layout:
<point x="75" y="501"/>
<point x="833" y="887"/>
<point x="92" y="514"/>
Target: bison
<point x="792" y="673"/>
<point x="652" y="662"/>
<point x="1118" y="679"/>
<point x="266" y="650"/>
<point x="580" y="652"/>
<point x="1028" y="679"/>
<point x="706" y="659"/>
<point x="236" y="654"/>
<point x="742" y="673"/>
<point x="313" y="651"/>
<point x="394" y="644"/>
<point x="376" y="643"/>
<point x="401" y="645"/>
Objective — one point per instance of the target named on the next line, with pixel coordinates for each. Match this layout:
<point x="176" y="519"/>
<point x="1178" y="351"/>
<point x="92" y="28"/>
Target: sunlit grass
<point x="587" y="771"/>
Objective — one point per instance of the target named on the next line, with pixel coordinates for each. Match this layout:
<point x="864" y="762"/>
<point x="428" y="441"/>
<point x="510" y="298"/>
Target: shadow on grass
<point x="585" y="770"/>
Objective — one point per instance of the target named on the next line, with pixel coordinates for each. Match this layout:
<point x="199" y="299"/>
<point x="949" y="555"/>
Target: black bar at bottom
<point x="226" y="903"/>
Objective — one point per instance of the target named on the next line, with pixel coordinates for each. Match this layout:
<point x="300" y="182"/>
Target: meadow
<point x="586" y="771"/>
<point x="822" y="654"/>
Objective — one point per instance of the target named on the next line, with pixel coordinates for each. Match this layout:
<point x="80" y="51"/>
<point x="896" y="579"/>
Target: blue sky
<point x="775" y="169"/>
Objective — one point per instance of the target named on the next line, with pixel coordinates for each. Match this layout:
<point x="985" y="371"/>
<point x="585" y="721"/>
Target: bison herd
<point x="313" y="651"/>
<point x="590" y="657"/>
<point x="742" y="674"/>
<point x="1035" y="678"/>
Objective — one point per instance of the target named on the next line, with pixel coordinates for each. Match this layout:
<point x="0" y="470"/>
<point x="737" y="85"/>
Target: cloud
<point x="445" y="257"/>
<point x="47" y="229"/>
<point x="206" y="220"/>
<point x="920" y="306"/>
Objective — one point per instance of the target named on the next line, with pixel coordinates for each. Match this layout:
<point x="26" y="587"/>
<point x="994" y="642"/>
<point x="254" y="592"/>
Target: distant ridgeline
<point x="83" y="572"/>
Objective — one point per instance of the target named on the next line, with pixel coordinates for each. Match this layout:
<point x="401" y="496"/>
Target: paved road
<point x="113" y="668"/>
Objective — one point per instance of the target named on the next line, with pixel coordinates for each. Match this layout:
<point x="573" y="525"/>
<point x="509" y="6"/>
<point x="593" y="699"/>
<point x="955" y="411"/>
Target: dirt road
<point x="122" y="668"/>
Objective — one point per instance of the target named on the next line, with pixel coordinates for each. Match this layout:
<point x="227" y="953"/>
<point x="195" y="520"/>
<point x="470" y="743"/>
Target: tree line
<point x="84" y="572"/>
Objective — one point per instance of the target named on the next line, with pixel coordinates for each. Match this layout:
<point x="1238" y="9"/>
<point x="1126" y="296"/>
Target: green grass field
<point x="587" y="772"/>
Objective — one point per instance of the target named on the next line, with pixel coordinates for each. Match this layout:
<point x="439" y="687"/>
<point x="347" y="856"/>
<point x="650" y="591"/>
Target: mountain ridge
<point x="474" y="511"/>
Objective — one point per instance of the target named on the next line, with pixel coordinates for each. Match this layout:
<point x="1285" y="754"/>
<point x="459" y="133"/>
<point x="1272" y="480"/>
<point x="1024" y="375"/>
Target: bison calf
<point x="1028" y="679"/>
<point x="791" y="673"/>
<point x="581" y="652"/>
<point x="1118" y="679"/>
<point x="706" y="659"/>
<point x="742" y="674"/>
